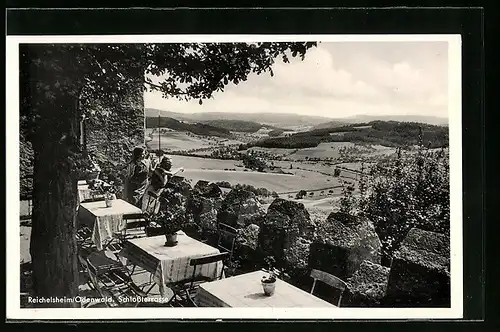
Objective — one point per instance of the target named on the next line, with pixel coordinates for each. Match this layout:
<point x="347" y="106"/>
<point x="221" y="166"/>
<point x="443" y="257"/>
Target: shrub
<point x="301" y="194"/>
<point x="223" y="184"/>
<point x="406" y="191"/>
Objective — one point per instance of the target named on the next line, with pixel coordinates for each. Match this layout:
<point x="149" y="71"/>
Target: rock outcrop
<point x="240" y="208"/>
<point x="297" y="253"/>
<point x="342" y="243"/>
<point x="204" y="202"/>
<point x="285" y="230"/>
<point x="248" y="236"/>
<point x="420" y="271"/>
<point x="368" y="285"/>
<point x="207" y="189"/>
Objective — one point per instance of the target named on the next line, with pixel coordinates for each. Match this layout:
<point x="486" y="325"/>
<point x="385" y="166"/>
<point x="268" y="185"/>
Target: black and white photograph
<point x="297" y="176"/>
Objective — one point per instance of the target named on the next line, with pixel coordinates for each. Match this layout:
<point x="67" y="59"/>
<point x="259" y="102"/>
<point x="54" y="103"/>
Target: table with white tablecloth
<point x="170" y="264"/>
<point x="105" y="221"/>
<point x="245" y="291"/>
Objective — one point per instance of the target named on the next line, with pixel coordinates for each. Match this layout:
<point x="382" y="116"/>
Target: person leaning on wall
<point x="159" y="179"/>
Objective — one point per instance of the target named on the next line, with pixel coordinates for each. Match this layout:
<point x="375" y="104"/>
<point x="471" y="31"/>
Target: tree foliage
<point x="252" y="162"/>
<point x="406" y="190"/>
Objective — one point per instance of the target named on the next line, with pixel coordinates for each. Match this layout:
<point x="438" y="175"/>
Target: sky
<point x="338" y="80"/>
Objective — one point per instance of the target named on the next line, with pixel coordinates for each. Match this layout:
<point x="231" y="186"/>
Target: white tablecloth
<point x="170" y="264"/>
<point x="105" y="220"/>
<point x="246" y="290"/>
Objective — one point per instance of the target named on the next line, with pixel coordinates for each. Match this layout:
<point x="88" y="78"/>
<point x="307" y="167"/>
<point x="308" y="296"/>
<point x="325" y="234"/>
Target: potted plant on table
<point x="168" y="223"/>
<point x="109" y="194"/>
<point x="269" y="280"/>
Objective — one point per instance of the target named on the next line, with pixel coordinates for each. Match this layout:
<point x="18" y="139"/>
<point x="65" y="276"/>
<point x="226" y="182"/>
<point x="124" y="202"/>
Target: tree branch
<point x="160" y="88"/>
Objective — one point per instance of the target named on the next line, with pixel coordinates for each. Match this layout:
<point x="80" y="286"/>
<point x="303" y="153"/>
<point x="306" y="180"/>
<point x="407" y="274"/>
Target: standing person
<point x="158" y="180"/>
<point x="137" y="178"/>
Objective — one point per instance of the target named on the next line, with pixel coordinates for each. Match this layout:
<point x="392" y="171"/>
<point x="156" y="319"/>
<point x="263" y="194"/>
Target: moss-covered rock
<point x="296" y="254"/>
<point x="420" y="271"/>
<point x="342" y="243"/>
<point x="248" y="236"/>
<point x="240" y="208"/>
<point x="297" y="214"/>
<point x="368" y="285"/>
<point x="207" y="189"/>
<point x="284" y="231"/>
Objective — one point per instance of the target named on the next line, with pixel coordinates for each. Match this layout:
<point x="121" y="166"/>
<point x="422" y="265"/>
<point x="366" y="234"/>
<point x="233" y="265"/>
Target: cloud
<point x="339" y="80"/>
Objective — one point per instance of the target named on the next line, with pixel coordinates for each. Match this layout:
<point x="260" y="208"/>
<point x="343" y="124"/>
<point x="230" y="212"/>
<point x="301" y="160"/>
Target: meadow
<point x="185" y="141"/>
<point x="280" y="183"/>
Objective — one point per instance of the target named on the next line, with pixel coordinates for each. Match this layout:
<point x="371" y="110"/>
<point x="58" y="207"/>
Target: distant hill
<point x="286" y="121"/>
<point x="195" y="128"/>
<point x="238" y="125"/>
<point x="329" y="124"/>
<point x="433" y="120"/>
<point x="280" y="120"/>
<point x="386" y="133"/>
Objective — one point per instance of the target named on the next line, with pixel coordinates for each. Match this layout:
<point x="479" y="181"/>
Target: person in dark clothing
<point x="136" y="179"/>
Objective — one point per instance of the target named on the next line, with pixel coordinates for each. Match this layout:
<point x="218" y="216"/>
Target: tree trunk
<point x="53" y="244"/>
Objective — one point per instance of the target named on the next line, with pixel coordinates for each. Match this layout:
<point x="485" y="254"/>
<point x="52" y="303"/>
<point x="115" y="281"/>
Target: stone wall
<point x="25" y="167"/>
<point x="111" y="137"/>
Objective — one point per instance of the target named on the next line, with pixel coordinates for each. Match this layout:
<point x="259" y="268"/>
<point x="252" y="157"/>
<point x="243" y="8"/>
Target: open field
<point x="178" y="140"/>
<point x="272" y="181"/>
<point x="204" y="163"/>
<point x="322" y="151"/>
<point x="316" y="177"/>
<point x="175" y="141"/>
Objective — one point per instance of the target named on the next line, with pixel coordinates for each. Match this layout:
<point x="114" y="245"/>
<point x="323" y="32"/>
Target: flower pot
<point x="109" y="200"/>
<point x="171" y="240"/>
<point x="268" y="287"/>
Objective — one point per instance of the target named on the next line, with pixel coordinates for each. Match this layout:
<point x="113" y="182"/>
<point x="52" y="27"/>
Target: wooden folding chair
<point x="84" y="237"/>
<point x="330" y="280"/>
<point x="226" y="240"/>
<point x="111" y="281"/>
<point x="153" y="202"/>
<point x="186" y="290"/>
<point x="135" y="224"/>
